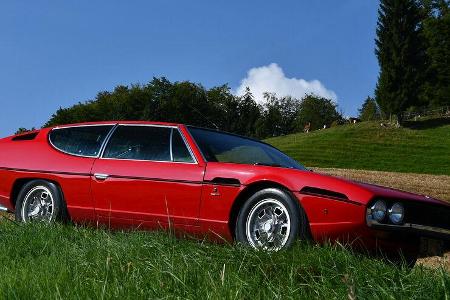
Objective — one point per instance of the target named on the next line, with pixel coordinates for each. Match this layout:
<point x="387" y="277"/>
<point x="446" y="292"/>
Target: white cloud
<point x="271" y="78"/>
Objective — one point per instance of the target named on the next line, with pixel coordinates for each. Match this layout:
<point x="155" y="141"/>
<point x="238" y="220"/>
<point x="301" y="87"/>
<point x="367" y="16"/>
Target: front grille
<point x="427" y="214"/>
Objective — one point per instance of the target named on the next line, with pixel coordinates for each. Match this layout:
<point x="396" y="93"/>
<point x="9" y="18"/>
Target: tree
<point x="436" y="89"/>
<point x="278" y="117"/>
<point x="24" y="130"/>
<point x="249" y="112"/>
<point x="369" y="111"/>
<point x="317" y="111"/>
<point x="400" y="53"/>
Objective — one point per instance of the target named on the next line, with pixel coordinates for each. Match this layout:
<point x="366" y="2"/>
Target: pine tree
<point x="369" y="111"/>
<point x="400" y="54"/>
<point x="437" y="36"/>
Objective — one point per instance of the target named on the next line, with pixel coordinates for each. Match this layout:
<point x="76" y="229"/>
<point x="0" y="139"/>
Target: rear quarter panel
<point x="37" y="159"/>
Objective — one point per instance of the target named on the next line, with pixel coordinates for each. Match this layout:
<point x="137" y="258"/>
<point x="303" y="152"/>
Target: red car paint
<point x="188" y="197"/>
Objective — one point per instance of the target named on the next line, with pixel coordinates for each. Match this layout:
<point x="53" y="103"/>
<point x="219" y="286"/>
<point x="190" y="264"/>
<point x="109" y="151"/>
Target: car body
<point x="109" y="181"/>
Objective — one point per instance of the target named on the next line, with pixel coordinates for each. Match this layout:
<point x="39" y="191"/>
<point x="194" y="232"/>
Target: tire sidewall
<point x="296" y="215"/>
<point x="58" y="203"/>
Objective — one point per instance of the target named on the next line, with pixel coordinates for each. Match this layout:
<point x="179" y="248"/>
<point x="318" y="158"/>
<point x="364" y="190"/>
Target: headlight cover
<point x="396" y="213"/>
<point x="378" y="210"/>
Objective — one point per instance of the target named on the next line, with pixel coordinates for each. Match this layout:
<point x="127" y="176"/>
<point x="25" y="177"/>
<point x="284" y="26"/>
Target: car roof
<point x="117" y="122"/>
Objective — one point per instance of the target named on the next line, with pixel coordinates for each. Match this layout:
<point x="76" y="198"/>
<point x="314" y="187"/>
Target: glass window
<point x="179" y="149"/>
<point x="224" y="147"/>
<point x="82" y="140"/>
<point x="139" y="143"/>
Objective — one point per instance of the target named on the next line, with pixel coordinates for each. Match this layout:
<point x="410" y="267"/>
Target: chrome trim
<point x="412" y="228"/>
<point x="146" y="160"/>
<point x="147" y="125"/>
<point x="107" y="138"/>
<point x="196" y="144"/>
<point x="171" y="144"/>
<point x="101" y="176"/>
<point x="84" y="125"/>
<point x="188" y="146"/>
<point x="4" y="209"/>
<point x="77" y="126"/>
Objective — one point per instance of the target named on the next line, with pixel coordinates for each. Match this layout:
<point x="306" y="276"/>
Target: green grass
<point x="422" y="148"/>
<point x="62" y="261"/>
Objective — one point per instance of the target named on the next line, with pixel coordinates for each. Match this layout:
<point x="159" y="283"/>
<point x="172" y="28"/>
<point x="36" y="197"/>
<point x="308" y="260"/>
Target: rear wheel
<point x="270" y="220"/>
<point x="40" y="200"/>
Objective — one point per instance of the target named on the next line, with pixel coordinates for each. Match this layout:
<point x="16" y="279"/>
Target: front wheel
<point x="270" y="220"/>
<point x="39" y="200"/>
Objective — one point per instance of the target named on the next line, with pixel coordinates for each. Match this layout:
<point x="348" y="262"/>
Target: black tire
<point x="298" y="225"/>
<point x="30" y="192"/>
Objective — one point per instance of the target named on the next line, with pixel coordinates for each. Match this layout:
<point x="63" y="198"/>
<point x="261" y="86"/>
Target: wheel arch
<point x="247" y="192"/>
<point x="19" y="183"/>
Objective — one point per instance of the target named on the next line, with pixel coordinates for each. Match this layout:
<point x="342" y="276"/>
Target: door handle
<point x="99" y="176"/>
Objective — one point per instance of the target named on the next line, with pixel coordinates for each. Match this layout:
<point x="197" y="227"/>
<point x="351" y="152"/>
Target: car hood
<point x="390" y="193"/>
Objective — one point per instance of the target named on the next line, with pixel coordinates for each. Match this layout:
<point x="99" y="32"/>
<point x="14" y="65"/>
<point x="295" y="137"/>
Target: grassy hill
<point x="68" y="262"/>
<point x="420" y="147"/>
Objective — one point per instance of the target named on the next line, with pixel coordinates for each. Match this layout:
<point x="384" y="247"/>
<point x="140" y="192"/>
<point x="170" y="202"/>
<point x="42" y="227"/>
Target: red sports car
<point x="201" y="181"/>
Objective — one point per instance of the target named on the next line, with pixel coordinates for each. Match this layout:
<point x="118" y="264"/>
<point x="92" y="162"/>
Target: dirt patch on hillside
<point x="437" y="186"/>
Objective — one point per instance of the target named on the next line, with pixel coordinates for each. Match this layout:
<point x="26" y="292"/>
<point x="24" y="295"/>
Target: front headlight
<point x="378" y="210"/>
<point x="396" y="213"/>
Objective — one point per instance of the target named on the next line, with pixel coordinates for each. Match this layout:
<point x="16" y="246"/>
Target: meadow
<point x="71" y="262"/>
<point x="419" y="147"/>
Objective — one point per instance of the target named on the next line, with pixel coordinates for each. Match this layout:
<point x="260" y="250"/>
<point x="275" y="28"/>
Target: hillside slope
<point x="424" y="147"/>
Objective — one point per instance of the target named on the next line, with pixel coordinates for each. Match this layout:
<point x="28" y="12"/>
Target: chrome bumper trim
<point x="421" y="230"/>
<point x="4" y="209"/>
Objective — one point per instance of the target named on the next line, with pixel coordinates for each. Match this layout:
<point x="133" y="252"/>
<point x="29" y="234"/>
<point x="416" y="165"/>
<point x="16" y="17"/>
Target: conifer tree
<point x="400" y="54"/>
<point x="436" y="33"/>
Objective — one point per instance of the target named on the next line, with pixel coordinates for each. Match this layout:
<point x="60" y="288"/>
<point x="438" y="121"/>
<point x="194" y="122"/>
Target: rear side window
<point x="83" y="140"/>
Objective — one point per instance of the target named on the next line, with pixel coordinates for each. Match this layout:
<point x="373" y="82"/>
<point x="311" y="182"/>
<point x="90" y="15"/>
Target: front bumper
<point x="3" y="209"/>
<point x="413" y="229"/>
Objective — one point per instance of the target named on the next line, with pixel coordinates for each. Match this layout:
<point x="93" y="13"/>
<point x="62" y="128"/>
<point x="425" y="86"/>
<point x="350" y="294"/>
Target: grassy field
<point x="68" y="262"/>
<point x="422" y="147"/>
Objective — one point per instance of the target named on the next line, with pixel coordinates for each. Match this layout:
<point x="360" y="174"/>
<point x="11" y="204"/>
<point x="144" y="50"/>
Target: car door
<point x="148" y="173"/>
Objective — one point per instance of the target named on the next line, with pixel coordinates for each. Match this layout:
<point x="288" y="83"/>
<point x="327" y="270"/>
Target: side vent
<point x="307" y="190"/>
<point x="225" y="181"/>
<point x="26" y="136"/>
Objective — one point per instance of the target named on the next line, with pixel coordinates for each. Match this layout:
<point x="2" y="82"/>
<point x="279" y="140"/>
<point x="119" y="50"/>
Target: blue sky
<point x="56" y="53"/>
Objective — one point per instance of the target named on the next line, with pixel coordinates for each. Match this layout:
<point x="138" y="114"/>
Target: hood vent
<point x="26" y="136"/>
<point x="307" y="190"/>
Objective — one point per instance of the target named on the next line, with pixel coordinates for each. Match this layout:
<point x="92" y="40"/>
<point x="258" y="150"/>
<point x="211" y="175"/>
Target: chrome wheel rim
<point x="268" y="225"/>
<point x="38" y="205"/>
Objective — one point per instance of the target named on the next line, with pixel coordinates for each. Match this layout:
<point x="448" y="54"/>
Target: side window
<point x="139" y="143"/>
<point x="83" y="140"/>
<point x="179" y="150"/>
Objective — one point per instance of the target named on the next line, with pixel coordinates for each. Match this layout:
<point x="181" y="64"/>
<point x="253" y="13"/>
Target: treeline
<point x="412" y="47"/>
<point x="413" y="50"/>
<point x="189" y="103"/>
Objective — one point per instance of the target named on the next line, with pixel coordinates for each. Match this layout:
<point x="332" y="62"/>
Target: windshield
<point x="224" y="147"/>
